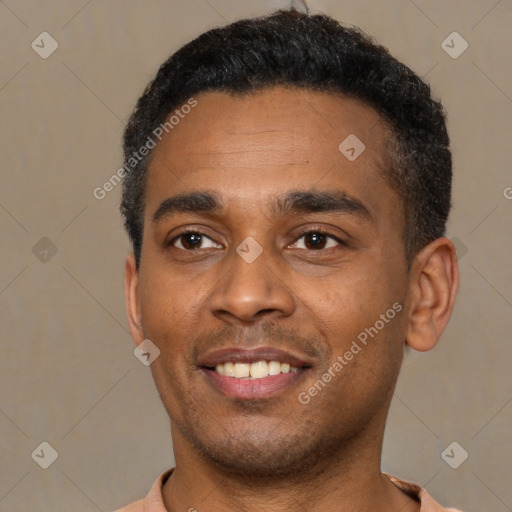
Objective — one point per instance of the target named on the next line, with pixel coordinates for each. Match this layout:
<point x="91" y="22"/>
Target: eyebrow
<point x="294" y="202"/>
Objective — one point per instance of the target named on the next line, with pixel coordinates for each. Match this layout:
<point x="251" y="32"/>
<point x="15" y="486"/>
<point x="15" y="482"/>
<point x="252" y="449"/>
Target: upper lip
<point x="250" y="355"/>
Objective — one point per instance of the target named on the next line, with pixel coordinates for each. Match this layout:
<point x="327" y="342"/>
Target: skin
<point x="309" y="299"/>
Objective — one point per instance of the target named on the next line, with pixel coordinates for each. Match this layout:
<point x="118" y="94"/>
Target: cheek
<point x="364" y="307"/>
<point x="169" y="319"/>
<point x="357" y="296"/>
<point x="168" y="310"/>
<point x="367" y="351"/>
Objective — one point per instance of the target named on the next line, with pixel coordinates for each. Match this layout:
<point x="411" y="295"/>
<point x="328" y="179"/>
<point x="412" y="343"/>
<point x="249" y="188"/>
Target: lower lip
<point x="256" y="389"/>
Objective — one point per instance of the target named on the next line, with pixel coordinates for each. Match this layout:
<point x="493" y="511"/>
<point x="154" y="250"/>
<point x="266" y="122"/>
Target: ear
<point x="131" y="282"/>
<point x="433" y="287"/>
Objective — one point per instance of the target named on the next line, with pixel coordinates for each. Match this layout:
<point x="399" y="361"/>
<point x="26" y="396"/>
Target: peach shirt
<point x="153" y="502"/>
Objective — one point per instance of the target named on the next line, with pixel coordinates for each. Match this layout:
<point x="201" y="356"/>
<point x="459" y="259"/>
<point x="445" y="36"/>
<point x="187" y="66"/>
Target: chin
<point x="259" y="454"/>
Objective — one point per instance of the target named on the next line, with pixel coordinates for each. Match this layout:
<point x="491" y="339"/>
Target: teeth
<point x="257" y="370"/>
<point x="274" y="368"/>
<point x="241" y="370"/>
<point x="229" y="369"/>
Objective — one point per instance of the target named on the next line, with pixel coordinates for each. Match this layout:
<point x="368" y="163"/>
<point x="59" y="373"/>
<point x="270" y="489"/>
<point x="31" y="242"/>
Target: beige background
<point x="68" y="375"/>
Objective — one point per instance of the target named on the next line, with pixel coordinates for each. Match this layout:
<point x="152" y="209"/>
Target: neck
<point x="346" y="480"/>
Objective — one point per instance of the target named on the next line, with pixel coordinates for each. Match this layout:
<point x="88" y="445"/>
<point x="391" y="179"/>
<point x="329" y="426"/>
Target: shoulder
<point x="428" y="504"/>
<point x="153" y="502"/>
<point x="136" y="506"/>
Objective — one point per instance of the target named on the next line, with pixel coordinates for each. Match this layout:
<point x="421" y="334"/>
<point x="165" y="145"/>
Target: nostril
<point x="264" y="312"/>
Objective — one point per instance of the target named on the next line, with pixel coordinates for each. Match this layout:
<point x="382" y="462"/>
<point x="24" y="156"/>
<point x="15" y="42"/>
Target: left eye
<point x="192" y="240"/>
<point x="315" y="240"/>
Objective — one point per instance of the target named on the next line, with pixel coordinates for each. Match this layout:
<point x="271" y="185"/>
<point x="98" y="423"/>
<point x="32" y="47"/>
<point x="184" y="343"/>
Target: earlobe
<point x="131" y="282"/>
<point x="433" y="288"/>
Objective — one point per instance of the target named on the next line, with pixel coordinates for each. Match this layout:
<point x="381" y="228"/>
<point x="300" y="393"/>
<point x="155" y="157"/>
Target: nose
<point x="249" y="291"/>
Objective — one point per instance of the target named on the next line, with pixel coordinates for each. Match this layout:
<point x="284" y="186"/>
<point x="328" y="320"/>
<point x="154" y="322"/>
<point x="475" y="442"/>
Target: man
<point x="286" y="192"/>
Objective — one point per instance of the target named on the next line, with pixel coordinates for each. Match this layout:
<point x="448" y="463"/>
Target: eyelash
<point x="319" y="231"/>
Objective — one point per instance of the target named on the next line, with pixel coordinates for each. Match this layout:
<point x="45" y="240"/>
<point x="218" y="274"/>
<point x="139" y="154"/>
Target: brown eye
<point x="317" y="240"/>
<point x="192" y="240"/>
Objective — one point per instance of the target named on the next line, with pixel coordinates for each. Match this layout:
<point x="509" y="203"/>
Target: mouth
<point x="252" y="371"/>
<point x="253" y="374"/>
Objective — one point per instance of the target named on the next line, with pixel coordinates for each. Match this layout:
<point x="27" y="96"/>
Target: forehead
<point x="275" y="140"/>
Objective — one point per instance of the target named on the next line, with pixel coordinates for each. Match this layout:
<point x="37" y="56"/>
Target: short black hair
<point x="315" y="52"/>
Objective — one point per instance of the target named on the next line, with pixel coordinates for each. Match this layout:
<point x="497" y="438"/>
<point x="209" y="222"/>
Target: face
<point x="266" y="249"/>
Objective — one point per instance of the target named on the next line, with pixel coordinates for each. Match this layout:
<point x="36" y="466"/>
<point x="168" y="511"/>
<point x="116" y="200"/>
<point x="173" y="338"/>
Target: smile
<point x="256" y="370"/>
<point x="252" y="373"/>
